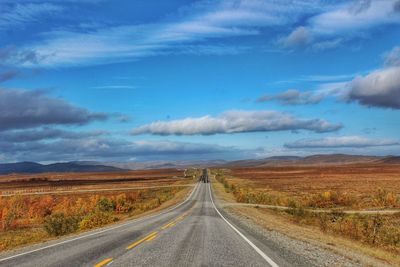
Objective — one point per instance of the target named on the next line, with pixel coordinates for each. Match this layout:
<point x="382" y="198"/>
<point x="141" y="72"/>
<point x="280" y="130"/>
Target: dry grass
<point x="27" y="219"/>
<point x="302" y="189"/>
<point x="26" y="183"/>
<point x="360" y="186"/>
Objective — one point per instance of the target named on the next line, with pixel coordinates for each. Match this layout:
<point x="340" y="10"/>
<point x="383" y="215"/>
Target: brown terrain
<point x="357" y="202"/>
<point x="39" y="207"/>
<point x="46" y="182"/>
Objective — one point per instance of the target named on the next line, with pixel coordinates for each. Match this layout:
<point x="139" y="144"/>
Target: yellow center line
<point x="151" y="238"/>
<point x="142" y="240"/>
<point x="172" y="224"/>
<point x="180" y="218"/>
<point x="102" y="263"/>
<point x="167" y="225"/>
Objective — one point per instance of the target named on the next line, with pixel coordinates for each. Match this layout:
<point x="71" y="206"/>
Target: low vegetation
<point x="324" y="209"/>
<point x="28" y="219"/>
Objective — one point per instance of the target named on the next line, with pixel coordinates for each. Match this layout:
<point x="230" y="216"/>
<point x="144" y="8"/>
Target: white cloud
<point x="22" y="14"/>
<point x="92" y="148"/>
<point x="393" y="57"/>
<point x="208" y="20"/>
<point x="341" y="22"/>
<point x="293" y="97"/>
<point x="298" y="37"/>
<point x="29" y="109"/>
<point x="341" y="142"/>
<point x="236" y="122"/>
<point x="358" y="15"/>
<point x="380" y="88"/>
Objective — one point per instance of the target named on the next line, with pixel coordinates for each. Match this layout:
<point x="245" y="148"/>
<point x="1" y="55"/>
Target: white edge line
<point x="102" y="231"/>
<point x="259" y="251"/>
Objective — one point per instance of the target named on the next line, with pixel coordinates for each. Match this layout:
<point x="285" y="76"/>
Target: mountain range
<point x="94" y="166"/>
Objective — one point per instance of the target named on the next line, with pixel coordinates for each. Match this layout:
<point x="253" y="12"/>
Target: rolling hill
<point x="33" y="167"/>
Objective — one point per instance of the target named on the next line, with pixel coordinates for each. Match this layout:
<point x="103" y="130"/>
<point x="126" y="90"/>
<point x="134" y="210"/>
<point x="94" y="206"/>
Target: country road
<point x="194" y="233"/>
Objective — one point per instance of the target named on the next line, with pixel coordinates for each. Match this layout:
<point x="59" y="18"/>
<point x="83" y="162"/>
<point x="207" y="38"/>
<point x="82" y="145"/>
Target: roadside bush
<point x="96" y="219"/>
<point x="330" y="199"/>
<point x="59" y="224"/>
<point x="104" y="205"/>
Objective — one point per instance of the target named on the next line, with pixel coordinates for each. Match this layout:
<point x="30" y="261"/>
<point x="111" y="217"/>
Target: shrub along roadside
<point x="29" y="219"/>
<point x="375" y="230"/>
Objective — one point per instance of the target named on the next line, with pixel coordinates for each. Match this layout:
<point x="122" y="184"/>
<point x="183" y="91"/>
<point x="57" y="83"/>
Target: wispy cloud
<point x="8" y="75"/>
<point x="340" y="142"/>
<point x="22" y="136"/>
<point x="342" y="22"/>
<point x="22" y="14"/>
<point x="113" y="149"/>
<point x="392" y="58"/>
<point x="356" y="15"/>
<point x="204" y="21"/>
<point x="293" y="97"/>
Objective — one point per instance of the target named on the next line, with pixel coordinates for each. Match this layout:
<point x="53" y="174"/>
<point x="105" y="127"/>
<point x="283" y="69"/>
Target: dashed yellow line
<point x="142" y="240"/>
<point x="168" y="225"/>
<point x="149" y="237"/>
<point x="102" y="263"/>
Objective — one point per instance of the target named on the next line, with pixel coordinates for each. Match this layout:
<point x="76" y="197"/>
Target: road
<point x="194" y="233"/>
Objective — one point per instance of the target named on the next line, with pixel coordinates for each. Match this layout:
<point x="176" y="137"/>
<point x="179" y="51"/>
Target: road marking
<point x="259" y="251"/>
<point x="142" y="240"/>
<point x="167" y="225"/>
<point x="151" y="238"/>
<point x="171" y="225"/>
<point x="105" y="230"/>
<point x="104" y="262"/>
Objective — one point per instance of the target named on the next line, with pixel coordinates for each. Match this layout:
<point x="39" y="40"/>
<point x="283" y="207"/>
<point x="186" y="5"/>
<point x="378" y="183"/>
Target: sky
<point x="110" y="80"/>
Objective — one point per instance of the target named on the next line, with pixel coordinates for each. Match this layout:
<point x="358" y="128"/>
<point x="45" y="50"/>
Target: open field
<point x="52" y="182"/>
<point x="70" y="203"/>
<point x="358" y="186"/>
<point x="339" y="200"/>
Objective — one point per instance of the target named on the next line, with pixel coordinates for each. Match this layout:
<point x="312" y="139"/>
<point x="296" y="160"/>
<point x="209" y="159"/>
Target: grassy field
<point x="28" y="218"/>
<point x="343" y="200"/>
<point x="20" y="183"/>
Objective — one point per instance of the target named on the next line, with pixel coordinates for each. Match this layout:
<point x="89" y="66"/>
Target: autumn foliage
<point x="323" y="209"/>
<point x="24" y="218"/>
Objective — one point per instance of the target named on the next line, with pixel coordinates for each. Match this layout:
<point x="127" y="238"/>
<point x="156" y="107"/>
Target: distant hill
<point x="160" y="164"/>
<point x="337" y="159"/>
<point x="32" y="167"/>
<point x="261" y="162"/>
<point x="390" y="160"/>
<point x="94" y="166"/>
<point x="312" y="160"/>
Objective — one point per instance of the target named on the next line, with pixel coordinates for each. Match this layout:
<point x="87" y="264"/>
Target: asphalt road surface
<point x="194" y="233"/>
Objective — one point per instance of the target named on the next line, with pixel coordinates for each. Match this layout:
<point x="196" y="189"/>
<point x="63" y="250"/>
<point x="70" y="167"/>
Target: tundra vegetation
<point x="33" y="218"/>
<point x="333" y="199"/>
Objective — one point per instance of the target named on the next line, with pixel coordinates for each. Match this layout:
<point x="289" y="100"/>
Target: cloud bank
<point x="380" y="88"/>
<point x="28" y="109"/>
<point x="112" y="149"/>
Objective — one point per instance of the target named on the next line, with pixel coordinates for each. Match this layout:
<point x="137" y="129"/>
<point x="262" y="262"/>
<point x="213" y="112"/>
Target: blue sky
<point x="187" y="80"/>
